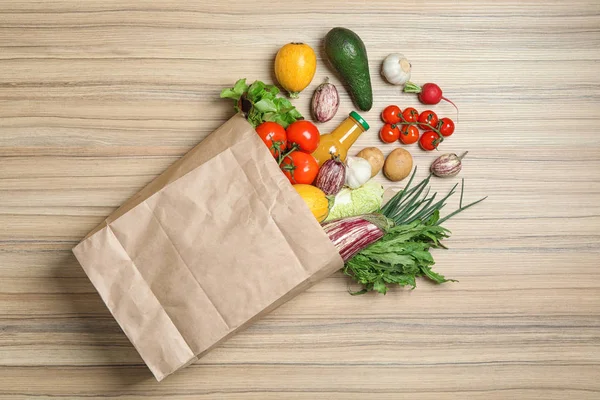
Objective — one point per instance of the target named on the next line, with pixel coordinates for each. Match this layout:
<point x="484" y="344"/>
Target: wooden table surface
<point x="98" y="97"/>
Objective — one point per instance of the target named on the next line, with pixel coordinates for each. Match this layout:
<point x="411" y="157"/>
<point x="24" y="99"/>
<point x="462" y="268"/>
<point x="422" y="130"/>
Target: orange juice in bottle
<point x="341" y="139"/>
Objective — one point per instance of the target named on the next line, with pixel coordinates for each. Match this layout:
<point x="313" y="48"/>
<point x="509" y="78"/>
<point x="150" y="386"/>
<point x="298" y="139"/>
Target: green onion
<point x="408" y="205"/>
<point x="402" y="254"/>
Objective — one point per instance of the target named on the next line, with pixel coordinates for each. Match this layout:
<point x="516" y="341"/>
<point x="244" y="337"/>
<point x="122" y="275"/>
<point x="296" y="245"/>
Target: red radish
<point x="430" y="93"/>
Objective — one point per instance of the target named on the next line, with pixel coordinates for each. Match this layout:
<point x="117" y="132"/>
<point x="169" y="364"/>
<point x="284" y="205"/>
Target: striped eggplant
<point x="447" y="165"/>
<point x="325" y="102"/>
<point x="331" y="176"/>
<point x="352" y="234"/>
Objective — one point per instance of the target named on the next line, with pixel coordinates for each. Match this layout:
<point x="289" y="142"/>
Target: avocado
<point x="347" y="54"/>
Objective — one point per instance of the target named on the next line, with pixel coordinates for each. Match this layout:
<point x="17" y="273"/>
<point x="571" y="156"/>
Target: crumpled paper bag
<point x="216" y="241"/>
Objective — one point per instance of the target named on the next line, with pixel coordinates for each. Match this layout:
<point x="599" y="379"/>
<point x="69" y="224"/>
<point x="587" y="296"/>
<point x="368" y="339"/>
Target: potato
<point x="374" y="156"/>
<point x="398" y="165"/>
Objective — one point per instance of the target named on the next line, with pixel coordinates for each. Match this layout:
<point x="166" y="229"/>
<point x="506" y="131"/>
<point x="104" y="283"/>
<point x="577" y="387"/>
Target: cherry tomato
<point x="304" y="134"/>
<point x="300" y="167"/>
<point x="429" y="140"/>
<point x="428" y="117"/>
<point x="410" y="114"/>
<point x="273" y="135"/>
<point x="409" y="134"/>
<point x="391" y="114"/>
<point x="389" y="133"/>
<point x="446" y="127"/>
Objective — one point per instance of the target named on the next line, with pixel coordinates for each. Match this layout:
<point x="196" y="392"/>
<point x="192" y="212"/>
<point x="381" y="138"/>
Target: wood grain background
<point x="98" y="97"/>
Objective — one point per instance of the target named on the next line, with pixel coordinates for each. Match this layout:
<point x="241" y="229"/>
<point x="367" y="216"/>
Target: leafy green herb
<point x="399" y="257"/>
<point x="259" y="102"/>
<point x="402" y="254"/>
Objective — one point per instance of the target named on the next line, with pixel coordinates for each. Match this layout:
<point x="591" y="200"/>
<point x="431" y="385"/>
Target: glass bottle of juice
<point x="339" y="141"/>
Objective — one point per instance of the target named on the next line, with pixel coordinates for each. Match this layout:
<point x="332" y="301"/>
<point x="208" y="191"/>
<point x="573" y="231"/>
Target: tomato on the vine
<point x="304" y="134"/>
<point x="274" y="136"/>
<point x="446" y="127"/>
<point x="389" y="133"/>
<point x="300" y="167"/>
<point x="410" y="114"/>
<point x="391" y="114"/>
<point x="427" y="120"/>
<point x="409" y="134"/>
<point x="429" y="140"/>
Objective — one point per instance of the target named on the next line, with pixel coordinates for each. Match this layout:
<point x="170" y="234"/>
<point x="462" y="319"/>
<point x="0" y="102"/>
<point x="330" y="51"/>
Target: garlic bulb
<point x="396" y="69"/>
<point x="358" y="172"/>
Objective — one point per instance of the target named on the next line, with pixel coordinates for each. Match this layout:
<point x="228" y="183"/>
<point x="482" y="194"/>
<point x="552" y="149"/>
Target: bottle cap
<point x="360" y="120"/>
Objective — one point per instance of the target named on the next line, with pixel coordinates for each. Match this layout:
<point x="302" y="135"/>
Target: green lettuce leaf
<point x="265" y="105"/>
<point x="236" y="91"/>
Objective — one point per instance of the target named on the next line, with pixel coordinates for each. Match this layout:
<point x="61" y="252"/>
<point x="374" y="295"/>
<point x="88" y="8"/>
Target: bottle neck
<point x="348" y="132"/>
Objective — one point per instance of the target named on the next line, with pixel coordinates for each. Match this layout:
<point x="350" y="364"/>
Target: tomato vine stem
<point x="429" y="126"/>
<point x="282" y="156"/>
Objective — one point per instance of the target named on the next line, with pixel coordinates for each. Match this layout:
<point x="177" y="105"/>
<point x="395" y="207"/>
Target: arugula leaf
<point x="399" y="257"/>
<point x="434" y="276"/>
<point x="391" y="258"/>
<point x="402" y="280"/>
<point x="380" y="286"/>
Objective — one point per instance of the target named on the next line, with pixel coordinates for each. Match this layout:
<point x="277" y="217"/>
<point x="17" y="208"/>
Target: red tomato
<point x="300" y="167"/>
<point x="446" y="126"/>
<point x="389" y="133"/>
<point x="409" y="134"/>
<point x="410" y="114"/>
<point x="391" y="114"/>
<point x="428" y="117"/>
<point x="304" y="134"/>
<point x="429" y="140"/>
<point x="273" y="135"/>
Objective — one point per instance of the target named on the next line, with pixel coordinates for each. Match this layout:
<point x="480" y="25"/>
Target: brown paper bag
<point x="213" y="243"/>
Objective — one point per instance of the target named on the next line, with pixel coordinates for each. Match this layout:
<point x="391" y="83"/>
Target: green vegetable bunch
<point x="259" y="102"/>
<point x="399" y="257"/>
<point x="402" y="254"/>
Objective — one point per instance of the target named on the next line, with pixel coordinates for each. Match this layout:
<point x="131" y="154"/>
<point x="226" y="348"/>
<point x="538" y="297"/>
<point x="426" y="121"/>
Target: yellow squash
<point x="295" y="66"/>
<point x="315" y="199"/>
